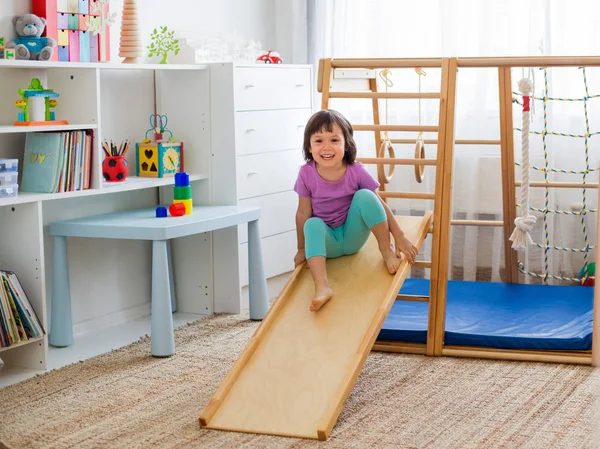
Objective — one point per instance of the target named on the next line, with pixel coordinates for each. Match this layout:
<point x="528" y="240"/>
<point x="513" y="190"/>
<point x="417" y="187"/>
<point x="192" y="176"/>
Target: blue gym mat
<point x="499" y="315"/>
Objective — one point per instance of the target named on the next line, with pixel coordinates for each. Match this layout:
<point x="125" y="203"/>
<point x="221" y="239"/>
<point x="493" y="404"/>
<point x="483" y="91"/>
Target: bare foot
<point x="391" y="260"/>
<point x="322" y="295"/>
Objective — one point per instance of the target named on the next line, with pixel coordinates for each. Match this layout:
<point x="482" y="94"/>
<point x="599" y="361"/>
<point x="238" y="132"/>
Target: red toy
<point x="177" y="209"/>
<point x="115" y="168"/>
<point x="270" y="57"/>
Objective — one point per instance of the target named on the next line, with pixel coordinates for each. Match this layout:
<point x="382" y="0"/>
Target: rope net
<point x="545" y="211"/>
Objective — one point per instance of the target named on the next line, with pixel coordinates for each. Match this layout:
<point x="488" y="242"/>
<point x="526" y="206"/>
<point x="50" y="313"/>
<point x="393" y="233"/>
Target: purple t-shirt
<point x="331" y="200"/>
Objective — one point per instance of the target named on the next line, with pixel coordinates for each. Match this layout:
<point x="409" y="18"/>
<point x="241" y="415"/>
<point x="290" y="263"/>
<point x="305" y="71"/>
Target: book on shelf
<point x="18" y="321"/>
<point x="57" y="161"/>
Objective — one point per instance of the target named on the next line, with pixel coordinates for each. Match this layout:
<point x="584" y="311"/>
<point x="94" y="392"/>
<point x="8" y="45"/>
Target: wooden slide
<point x="299" y="367"/>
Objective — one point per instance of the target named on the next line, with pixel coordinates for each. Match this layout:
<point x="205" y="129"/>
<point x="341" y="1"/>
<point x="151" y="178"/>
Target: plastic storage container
<point x="8" y="191"/>
<point x="9" y="165"/>
<point x="9" y="178"/>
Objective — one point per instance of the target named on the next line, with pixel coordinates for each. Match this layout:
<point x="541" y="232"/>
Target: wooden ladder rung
<point x="390" y="95"/>
<point x="422" y="263"/>
<point x="569" y="185"/>
<point x="390" y="63"/>
<point x="414" y="298"/>
<point x="408" y="195"/>
<point x="395" y="161"/>
<point x="477" y="223"/>
<point x="456" y="142"/>
<point x="391" y="128"/>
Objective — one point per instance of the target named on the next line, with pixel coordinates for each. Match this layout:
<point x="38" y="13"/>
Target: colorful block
<point x="73" y="6"/>
<point x="84" y="7"/>
<point x="2" y="42"/>
<point x="63" y="53"/>
<point x="63" y="38"/>
<point x="182" y="179"/>
<point x="73" y="46"/>
<point x="62" y="21"/>
<point x="73" y="15"/>
<point x="62" y="5"/>
<point x="73" y="21"/>
<point x="187" y="203"/>
<point x="93" y="11"/>
<point x="84" y="46"/>
<point x="182" y="192"/>
<point x="161" y="212"/>
<point x="177" y="209"/>
<point x="158" y="160"/>
<point x="93" y="38"/>
<point x="9" y="53"/>
<point x="83" y="18"/>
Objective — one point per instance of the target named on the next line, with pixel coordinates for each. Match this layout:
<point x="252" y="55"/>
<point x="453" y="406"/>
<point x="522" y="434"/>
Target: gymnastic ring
<point x="419" y="154"/>
<point x="383" y="178"/>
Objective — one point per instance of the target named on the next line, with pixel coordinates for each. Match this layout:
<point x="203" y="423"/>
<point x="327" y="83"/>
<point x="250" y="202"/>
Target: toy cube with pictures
<point x="2" y="42"/>
<point x="158" y="160"/>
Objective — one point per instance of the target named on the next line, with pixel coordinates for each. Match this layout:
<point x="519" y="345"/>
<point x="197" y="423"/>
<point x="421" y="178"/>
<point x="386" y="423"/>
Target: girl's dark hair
<point x="324" y="120"/>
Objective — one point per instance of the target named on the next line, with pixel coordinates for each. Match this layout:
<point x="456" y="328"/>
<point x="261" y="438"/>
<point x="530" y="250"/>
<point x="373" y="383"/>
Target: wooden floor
<point x="296" y="372"/>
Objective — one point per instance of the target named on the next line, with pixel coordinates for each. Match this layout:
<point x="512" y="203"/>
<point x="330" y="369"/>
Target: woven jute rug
<point x="128" y="399"/>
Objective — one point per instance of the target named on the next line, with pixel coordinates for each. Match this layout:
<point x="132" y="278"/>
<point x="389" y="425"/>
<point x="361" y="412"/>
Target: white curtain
<point x="468" y="28"/>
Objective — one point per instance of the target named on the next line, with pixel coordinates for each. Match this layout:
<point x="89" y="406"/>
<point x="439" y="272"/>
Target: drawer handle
<point x="249" y="130"/>
<point x="249" y="85"/>
<point x="299" y="85"/>
<point x="252" y="173"/>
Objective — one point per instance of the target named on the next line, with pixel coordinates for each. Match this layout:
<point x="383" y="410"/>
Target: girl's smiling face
<point x="327" y="148"/>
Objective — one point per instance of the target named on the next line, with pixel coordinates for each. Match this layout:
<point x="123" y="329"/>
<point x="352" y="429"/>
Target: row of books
<point x="18" y="321"/>
<point x="57" y="161"/>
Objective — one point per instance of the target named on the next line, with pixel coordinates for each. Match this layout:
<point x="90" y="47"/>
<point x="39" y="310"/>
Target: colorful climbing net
<point x="545" y="211"/>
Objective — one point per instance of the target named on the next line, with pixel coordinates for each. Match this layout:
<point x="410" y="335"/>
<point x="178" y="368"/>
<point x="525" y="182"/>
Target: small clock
<point x="159" y="160"/>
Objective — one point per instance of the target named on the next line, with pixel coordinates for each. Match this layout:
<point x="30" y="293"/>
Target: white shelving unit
<point x="110" y="279"/>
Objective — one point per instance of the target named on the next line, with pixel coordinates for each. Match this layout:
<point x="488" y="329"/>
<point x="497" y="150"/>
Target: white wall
<point x="247" y="19"/>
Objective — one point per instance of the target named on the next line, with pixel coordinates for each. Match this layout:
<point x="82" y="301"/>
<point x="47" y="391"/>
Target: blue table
<point x="142" y="224"/>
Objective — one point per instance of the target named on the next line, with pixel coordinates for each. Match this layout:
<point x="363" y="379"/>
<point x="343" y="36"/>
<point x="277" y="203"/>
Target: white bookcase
<point x="110" y="279"/>
<point x="242" y="131"/>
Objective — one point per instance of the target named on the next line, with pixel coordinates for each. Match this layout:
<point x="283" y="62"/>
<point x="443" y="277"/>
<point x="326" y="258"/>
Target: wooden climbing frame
<point x="357" y="78"/>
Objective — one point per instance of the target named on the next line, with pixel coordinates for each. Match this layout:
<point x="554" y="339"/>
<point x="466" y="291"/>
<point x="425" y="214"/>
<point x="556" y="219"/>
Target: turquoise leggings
<point x="321" y="240"/>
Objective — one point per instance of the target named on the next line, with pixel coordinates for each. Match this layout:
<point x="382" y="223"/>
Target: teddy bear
<point x="30" y="44"/>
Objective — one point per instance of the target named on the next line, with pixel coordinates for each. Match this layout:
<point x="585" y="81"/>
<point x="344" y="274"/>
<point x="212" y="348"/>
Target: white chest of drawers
<point x="265" y="108"/>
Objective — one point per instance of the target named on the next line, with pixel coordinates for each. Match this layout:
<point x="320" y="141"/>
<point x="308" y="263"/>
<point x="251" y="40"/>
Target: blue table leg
<point x="257" y="281"/>
<point x="171" y="277"/>
<point x="61" y="321"/>
<point x="162" y="339"/>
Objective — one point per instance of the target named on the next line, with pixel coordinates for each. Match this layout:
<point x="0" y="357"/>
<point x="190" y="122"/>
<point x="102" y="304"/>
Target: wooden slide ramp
<point x="299" y="367"/>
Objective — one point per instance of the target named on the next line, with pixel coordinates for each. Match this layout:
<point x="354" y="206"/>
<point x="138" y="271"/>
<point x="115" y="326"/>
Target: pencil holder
<point x="115" y="168"/>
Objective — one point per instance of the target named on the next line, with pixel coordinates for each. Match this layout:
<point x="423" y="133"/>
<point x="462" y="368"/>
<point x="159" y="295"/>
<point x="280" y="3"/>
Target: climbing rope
<point x="521" y="237"/>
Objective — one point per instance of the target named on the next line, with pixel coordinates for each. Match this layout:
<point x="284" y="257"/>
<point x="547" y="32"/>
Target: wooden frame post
<point x="442" y="210"/>
<point x="325" y="82"/>
<point x="507" y="154"/>
<point x="596" y="325"/>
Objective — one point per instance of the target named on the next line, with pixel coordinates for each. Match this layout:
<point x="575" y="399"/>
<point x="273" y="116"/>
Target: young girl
<point x="339" y="205"/>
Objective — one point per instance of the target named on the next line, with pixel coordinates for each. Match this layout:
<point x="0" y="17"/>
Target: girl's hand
<point x="299" y="257"/>
<point x="405" y="246"/>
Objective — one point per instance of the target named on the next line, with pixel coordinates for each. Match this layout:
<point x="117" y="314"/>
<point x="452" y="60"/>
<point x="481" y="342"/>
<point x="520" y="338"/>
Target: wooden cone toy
<point x="131" y="44"/>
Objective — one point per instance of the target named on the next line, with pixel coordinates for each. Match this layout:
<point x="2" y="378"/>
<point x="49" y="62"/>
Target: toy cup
<point x="115" y="168"/>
